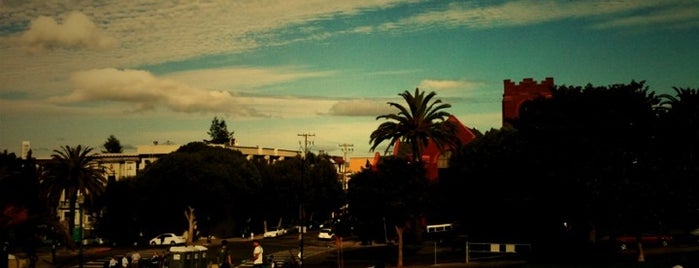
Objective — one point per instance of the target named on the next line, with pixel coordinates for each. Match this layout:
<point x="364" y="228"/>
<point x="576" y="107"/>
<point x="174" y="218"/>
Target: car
<point x="326" y="234"/>
<point x="93" y="241"/>
<point x="274" y="232"/>
<point x="627" y="241"/>
<point x="167" y="239"/>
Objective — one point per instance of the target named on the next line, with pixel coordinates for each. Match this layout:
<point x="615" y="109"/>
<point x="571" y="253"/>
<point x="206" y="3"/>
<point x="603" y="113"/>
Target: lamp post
<point x="301" y="196"/>
<point x="81" y="201"/>
<point x="301" y="212"/>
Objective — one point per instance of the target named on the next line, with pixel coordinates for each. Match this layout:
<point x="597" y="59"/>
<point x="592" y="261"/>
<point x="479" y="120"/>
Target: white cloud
<point x="77" y="31"/>
<point x="447" y="84"/>
<point x="361" y="107"/>
<point x="144" y="91"/>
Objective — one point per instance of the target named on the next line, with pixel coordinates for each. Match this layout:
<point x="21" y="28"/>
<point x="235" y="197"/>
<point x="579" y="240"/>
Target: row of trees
<point x="585" y="165"/>
<point x="232" y="195"/>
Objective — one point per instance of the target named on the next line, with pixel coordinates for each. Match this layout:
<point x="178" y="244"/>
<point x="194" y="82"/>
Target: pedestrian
<point x="257" y="254"/>
<point x="113" y="262"/>
<point x="155" y="260"/>
<point x="224" y="257"/>
<point x="135" y="259"/>
<point x="124" y="261"/>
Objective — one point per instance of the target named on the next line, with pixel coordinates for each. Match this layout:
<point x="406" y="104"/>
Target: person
<point x="224" y="258"/>
<point x="155" y="260"/>
<point x="124" y="261"/>
<point x="113" y="262"/>
<point x="135" y="259"/>
<point x="257" y="254"/>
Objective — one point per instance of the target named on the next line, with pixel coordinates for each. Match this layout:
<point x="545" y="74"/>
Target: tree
<point x="424" y="120"/>
<point x="71" y="173"/>
<point x="192" y="225"/>
<point x="392" y="194"/>
<point x="219" y="132"/>
<point x="594" y="146"/>
<point x="218" y="182"/>
<point x="112" y="145"/>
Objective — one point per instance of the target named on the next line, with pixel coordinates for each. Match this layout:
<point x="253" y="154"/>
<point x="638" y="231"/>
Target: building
<point x="26" y="147"/>
<point x="514" y="96"/>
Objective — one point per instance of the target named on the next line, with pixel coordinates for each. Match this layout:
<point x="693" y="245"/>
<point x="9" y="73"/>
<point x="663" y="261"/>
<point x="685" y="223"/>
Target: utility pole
<point x="306" y="143"/>
<point x="345" y="149"/>
<point x="301" y="209"/>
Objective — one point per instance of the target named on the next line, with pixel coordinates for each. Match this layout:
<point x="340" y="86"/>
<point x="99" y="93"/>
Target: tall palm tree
<point x="72" y="173"/>
<point x="424" y="120"/>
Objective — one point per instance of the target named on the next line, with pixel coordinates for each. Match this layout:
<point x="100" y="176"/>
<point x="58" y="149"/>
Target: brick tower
<point x="516" y="94"/>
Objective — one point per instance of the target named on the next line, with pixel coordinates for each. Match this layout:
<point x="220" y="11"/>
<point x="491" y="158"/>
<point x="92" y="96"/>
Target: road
<point x="352" y="255"/>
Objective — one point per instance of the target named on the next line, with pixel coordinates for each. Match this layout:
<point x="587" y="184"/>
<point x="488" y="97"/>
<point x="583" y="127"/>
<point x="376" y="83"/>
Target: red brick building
<point x="513" y="97"/>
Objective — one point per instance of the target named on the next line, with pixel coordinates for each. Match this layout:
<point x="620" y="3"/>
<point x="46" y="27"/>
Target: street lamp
<point x="301" y="212"/>
<point x="81" y="201"/>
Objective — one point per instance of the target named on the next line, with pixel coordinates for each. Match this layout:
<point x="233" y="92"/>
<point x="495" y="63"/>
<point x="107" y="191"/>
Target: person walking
<point x="224" y="258"/>
<point x="257" y="254"/>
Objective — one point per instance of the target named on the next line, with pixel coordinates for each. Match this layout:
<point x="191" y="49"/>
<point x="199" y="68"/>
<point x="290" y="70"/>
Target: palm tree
<point x="72" y="173"/>
<point x="423" y="121"/>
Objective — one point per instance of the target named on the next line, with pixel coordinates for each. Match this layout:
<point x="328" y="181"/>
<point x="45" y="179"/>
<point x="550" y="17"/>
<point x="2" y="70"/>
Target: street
<point x="351" y="254"/>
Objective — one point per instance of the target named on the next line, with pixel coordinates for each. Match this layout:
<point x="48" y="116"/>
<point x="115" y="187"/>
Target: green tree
<point x="218" y="182"/>
<point x="423" y="121"/>
<point x="678" y="151"/>
<point x="594" y="145"/>
<point x="393" y="194"/>
<point x="219" y="132"/>
<point x="72" y="172"/>
<point x="112" y="145"/>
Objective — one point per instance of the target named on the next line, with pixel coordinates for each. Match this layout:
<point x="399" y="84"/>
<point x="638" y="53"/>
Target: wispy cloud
<point x="675" y="16"/>
<point x="244" y="78"/>
<point x="360" y="107"/>
<point x="431" y="84"/>
<point x="482" y="15"/>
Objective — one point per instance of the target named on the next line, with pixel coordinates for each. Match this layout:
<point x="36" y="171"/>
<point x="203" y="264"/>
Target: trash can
<point x="200" y="260"/>
<point x="187" y="257"/>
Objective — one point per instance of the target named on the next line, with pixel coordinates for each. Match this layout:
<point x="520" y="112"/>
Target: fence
<point x="494" y="250"/>
<point x="474" y="251"/>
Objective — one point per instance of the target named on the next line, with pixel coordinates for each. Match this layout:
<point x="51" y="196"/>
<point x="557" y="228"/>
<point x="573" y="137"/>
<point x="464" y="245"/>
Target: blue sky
<point x="75" y="72"/>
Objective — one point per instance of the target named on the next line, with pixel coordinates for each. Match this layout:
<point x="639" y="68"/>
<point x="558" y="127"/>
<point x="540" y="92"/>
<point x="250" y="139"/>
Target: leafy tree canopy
<point x="219" y="132"/>
<point x="112" y="145"/>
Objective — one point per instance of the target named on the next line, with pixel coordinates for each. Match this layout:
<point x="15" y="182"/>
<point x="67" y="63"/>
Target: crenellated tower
<point x="516" y="94"/>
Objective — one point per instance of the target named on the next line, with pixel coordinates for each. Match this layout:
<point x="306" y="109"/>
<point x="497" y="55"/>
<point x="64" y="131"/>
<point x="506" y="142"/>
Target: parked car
<point x="274" y="232"/>
<point x="93" y="241"/>
<point x="626" y="241"/>
<point x="167" y="239"/>
<point x="326" y="234"/>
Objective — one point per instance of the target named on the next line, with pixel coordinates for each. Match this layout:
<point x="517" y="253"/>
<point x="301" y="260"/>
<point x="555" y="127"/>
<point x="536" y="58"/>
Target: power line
<point x="306" y="143"/>
<point x="345" y="147"/>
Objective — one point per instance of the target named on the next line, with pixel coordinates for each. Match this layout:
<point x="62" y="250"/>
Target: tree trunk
<point x="641" y="255"/>
<point x="399" y="232"/>
<point x="189" y="214"/>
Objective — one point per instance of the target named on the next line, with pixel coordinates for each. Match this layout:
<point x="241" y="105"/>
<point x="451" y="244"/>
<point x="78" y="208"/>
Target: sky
<point x="277" y="71"/>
